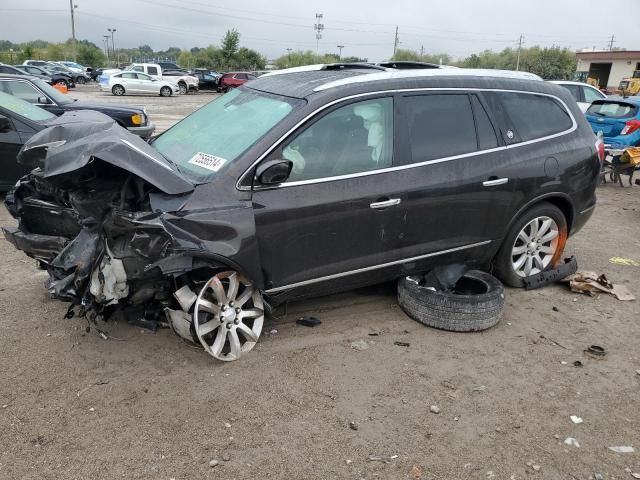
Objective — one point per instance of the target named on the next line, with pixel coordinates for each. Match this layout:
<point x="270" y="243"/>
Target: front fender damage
<point x="117" y="246"/>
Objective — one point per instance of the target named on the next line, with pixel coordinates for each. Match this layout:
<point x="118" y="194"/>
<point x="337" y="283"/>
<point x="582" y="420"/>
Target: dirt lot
<point x="149" y="406"/>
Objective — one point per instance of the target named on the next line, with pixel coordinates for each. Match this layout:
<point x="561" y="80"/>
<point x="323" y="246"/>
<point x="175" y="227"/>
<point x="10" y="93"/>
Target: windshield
<point x="55" y="95"/>
<point x="218" y="133"/>
<point x="25" y="109"/>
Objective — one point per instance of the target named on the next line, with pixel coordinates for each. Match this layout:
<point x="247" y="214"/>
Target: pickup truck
<point x="187" y="83"/>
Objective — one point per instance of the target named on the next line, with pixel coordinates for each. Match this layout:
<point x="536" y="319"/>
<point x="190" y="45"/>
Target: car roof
<point x="15" y="76"/>
<point x="571" y="82"/>
<point x="303" y="82"/>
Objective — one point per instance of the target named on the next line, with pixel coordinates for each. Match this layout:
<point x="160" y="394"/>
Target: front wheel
<point x="81" y="80"/>
<point x="62" y="82"/>
<point x="535" y="243"/>
<point x="165" y="92"/>
<point x="228" y="316"/>
<point x="183" y="88"/>
<point x="117" y="90"/>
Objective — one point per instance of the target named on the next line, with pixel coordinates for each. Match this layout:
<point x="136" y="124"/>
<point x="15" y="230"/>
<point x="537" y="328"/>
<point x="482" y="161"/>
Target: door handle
<point x="385" y="203"/>
<point x="494" y="182"/>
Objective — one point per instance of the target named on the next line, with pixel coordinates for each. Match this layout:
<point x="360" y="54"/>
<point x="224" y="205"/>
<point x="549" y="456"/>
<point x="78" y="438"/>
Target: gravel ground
<point x="150" y="406"/>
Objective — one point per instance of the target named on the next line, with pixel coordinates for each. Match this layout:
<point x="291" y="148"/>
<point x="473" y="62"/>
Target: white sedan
<point x="582" y="92"/>
<point x="137" y="83"/>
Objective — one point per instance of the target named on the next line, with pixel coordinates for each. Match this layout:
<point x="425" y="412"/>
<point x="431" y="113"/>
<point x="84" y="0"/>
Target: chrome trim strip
<point x="493" y="183"/>
<point x="277" y="143"/>
<point x="374" y="267"/>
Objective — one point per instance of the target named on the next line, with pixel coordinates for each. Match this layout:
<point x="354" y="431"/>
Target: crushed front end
<point x="108" y="222"/>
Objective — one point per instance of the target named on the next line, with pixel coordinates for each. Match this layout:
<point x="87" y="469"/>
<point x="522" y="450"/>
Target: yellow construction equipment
<point x="630" y="86"/>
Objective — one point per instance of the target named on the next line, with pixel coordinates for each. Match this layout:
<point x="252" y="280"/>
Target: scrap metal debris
<point x="628" y="262"/>
<point x="591" y="283"/>
<point x="596" y="351"/>
<point x="622" y="449"/>
<point x="308" y="321"/>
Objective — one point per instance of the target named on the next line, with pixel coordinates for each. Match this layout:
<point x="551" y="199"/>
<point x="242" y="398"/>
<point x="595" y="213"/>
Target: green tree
<point x="185" y="59"/>
<point x="230" y="44"/>
<point x="55" y="51"/>
<point x="413" y="56"/>
<point x="90" y="56"/>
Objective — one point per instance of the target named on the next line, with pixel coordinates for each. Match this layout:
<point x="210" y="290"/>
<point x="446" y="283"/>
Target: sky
<point x="366" y="28"/>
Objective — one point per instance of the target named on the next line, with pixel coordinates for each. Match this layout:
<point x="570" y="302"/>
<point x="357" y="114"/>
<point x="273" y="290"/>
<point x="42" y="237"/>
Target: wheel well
<point x="564" y="205"/>
<point x="182" y="82"/>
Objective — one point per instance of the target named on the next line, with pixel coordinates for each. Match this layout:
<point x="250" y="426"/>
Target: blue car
<point x="618" y="118"/>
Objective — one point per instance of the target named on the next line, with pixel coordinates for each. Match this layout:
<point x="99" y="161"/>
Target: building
<point x="607" y="67"/>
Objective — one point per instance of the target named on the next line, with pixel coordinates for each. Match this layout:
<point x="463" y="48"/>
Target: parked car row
<point x="77" y="72"/>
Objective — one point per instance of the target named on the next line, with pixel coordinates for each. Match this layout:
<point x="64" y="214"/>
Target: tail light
<point x="600" y="149"/>
<point x="630" y="127"/>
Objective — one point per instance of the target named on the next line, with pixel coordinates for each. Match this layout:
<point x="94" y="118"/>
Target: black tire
<point x="184" y="90"/>
<point x="81" y="80"/>
<point x="477" y="303"/>
<point x="165" y="92"/>
<point x="502" y="262"/>
<point x="62" y="82"/>
<point x="117" y="90"/>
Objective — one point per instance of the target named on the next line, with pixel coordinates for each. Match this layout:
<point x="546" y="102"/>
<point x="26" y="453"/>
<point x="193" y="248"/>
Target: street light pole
<point x="340" y="54"/>
<point x="106" y="46"/>
<point x="113" y="45"/>
<point x="73" y="28"/>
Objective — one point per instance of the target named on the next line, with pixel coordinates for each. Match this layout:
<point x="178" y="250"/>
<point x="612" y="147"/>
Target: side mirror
<point x="5" y="124"/>
<point x="43" y="101"/>
<point x="273" y="172"/>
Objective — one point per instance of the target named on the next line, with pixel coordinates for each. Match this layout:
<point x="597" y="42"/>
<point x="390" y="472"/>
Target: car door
<point x="458" y="192"/>
<point x="130" y="83"/>
<point x="145" y="84"/>
<point x="337" y="214"/>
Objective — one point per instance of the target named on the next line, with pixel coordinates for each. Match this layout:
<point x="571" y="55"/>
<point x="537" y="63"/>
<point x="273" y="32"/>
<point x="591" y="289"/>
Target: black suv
<point x="39" y="92"/>
<point x="307" y="183"/>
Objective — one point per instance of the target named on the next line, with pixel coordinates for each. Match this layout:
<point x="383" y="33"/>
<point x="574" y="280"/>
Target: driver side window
<point x="354" y="138"/>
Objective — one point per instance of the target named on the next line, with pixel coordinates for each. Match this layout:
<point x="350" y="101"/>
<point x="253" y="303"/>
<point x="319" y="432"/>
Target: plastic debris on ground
<point x="624" y="261"/>
<point x="444" y="278"/>
<point x="623" y="449"/>
<point x="575" y="419"/>
<point x="572" y="441"/>
<point x="596" y="351"/>
<point x="308" y="321"/>
<point x="359" y="345"/>
<point x="568" y="267"/>
<point x="591" y="283"/>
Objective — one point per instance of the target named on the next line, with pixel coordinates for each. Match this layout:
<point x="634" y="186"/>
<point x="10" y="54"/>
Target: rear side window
<point x="440" y="126"/>
<point x="574" y="89"/>
<point x="612" y="109"/>
<point x="591" y="94"/>
<point x="534" y="116"/>
<point x="132" y="76"/>
<point x="152" y="70"/>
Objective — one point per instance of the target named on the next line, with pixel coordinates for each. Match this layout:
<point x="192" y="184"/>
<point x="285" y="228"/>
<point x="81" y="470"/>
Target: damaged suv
<point x="301" y="184"/>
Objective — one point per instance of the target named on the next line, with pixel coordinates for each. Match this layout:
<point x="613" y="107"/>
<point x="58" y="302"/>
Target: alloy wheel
<point x="118" y="90"/>
<point x="228" y="316"/>
<point x="535" y="246"/>
<point x="183" y="89"/>
<point x="165" y="91"/>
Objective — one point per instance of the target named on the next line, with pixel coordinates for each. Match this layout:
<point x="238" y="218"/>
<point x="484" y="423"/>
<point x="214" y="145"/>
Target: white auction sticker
<point x="208" y="161"/>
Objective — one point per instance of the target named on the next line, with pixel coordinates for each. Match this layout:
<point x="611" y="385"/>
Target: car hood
<point x="78" y="138"/>
<point x="80" y="105"/>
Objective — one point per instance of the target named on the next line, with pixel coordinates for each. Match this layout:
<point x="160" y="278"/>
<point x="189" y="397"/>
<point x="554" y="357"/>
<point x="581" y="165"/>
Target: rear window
<point x="603" y="108"/>
<point x="534" y="116"/>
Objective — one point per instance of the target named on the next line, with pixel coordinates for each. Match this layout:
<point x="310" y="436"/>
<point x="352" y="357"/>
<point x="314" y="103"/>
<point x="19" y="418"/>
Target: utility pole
<point x="611" y="42"/>
<point x="319" y="27"/>
<point x="73" y="28"/>
<point x="113" y="45"/>
<point x="395" y="42"/>
<point x="519" y="49"/>
<point x="340" y="53"/>
<point x="289" y="56"/>
<point x="421" y="50"/>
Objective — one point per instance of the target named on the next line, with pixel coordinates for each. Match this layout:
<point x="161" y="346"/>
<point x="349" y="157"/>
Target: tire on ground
<point x="456" y="312"/>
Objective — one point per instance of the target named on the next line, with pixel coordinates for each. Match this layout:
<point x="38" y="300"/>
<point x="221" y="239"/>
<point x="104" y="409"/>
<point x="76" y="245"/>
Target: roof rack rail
<point x="353" y="66"/>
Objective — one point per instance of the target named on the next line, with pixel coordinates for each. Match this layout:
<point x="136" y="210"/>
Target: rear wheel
<point x="183" y="88"/>
<point x="62" y="82"/>
<point x="81" y="80"/>
<point x="165" y="92"/>
<point x="117" y="90"/>
<point x="535" y="243"/>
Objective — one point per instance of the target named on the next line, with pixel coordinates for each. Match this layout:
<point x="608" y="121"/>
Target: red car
<point x="234" y="79"/>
